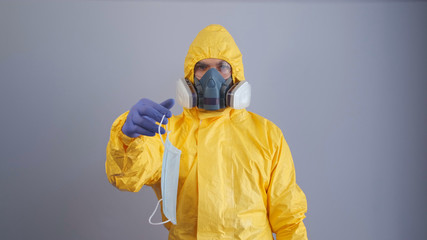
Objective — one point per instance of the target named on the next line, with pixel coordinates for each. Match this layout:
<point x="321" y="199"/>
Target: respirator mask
<point x="213" y="92"/>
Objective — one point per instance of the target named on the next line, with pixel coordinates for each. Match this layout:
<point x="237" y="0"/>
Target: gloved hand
<point x="143" y="116"/>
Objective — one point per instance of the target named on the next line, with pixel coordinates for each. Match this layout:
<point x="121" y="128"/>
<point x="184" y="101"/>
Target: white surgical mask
<point x="169" y="179"/>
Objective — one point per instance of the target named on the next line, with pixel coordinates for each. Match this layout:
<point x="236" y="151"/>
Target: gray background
<point x="345" y="81"/>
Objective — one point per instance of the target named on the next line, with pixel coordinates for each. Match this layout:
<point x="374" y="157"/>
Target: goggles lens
<point x="222" y="66"/>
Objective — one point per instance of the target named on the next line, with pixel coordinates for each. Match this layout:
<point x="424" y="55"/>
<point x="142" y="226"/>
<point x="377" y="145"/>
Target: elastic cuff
<point x="118" y="126"/>
<point x="124" y="138"/>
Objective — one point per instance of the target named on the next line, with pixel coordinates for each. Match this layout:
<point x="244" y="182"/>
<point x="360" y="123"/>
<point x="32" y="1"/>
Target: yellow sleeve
<point x="132" y="162"/>
<point x="287" y="203"/>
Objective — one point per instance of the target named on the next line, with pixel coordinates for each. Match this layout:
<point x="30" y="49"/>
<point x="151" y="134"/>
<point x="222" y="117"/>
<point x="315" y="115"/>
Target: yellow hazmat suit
<point x="237" y="177"/>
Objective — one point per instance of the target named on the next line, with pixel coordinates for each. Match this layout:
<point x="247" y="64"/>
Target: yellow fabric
<point x="214" y="41"/>
<point x="237" y="178"/>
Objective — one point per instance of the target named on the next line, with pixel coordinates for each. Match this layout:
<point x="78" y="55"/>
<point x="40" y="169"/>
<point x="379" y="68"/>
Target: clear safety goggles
<point x="223" y="67"/>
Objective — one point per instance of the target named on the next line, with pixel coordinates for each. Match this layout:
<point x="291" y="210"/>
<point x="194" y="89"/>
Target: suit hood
<point x="214" y="41"/>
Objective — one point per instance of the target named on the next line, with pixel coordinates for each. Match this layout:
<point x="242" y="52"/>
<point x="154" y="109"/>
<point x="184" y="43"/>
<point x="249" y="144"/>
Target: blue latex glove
<point x="143" y="116"/>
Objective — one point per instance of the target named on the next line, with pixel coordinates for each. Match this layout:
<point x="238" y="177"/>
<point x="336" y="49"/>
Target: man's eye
<point x="201" y="67"/>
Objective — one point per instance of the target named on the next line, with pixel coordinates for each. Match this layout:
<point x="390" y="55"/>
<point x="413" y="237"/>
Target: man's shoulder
<point x="264" y="123"/>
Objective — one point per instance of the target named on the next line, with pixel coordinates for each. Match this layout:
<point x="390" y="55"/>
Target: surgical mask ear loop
<point x="160" y="135"/>
<point x="158" y="203"/>
<point x="155" y="210"/>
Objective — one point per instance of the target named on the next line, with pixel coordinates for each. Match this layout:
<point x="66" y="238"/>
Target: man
<point x="236" y="175"/>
